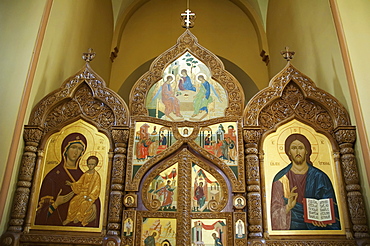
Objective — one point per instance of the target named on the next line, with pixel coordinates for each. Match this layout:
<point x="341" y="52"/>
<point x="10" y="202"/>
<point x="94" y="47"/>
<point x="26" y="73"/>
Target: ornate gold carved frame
<point x="292" y="95"/>
<point x="83" y="96"/>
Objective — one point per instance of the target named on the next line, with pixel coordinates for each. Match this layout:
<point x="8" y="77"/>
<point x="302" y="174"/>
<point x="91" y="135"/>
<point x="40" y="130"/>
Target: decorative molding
<point x="82" y="95"/>
<point x="187" y="42"/>
<point x="291" y="94"/>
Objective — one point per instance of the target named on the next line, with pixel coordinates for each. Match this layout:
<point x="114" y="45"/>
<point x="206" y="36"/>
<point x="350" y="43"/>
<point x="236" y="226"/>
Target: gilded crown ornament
<point x="89" y="55"/>
<point x="287" y="54"/>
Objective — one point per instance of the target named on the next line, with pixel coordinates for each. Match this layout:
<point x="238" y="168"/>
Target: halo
<point x="57" y="140"/>
<point x="168" y="75"/>
<point x="83" y="161"/>
<point x="199" y="74"/>
<point x="301" y="130"/>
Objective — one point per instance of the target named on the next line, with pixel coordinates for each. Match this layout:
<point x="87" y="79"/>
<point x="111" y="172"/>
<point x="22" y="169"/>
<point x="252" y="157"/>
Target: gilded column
<point x="120" y="138"/>
<point x="32" y="137"/>
<point x="346" y="137"/>
<point x="254" y="204"/>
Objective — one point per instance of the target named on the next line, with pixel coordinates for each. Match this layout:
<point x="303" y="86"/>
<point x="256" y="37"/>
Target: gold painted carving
<point x="61" y="239"/>
<point x="318" y="242"/>
<point x="120" y="137"/>
<point x="187" y="42"/>
<point x="292" y="94"/>
<point x="238" y="183"/>
<point x="32" y="137"/>
<point x="345" y="137"/>
<point x="84" y="94"/>
<point x="185" y="159"/>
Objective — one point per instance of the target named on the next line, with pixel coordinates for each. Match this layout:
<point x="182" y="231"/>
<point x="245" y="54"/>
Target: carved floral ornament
<point x="133" y="178"/>
<point x="82" y="95"/>
<point x="292" y="94"/>
<point x="187" y="44"/>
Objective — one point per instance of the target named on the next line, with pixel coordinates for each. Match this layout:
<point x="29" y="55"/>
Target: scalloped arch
<point x="184" y="176"/>
<point x="293" y="94"/>
<point x="187" y="42"/>
<point x="82" y="95"/>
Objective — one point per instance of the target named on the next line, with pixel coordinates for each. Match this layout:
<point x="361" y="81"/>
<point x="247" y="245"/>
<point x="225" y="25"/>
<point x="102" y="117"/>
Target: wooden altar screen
<point x="81" y="119"/>
<point x="185" y="165"/>
<point x="293" y="105"/>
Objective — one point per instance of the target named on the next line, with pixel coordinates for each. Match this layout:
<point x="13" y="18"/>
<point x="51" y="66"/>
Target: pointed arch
<point x="187" y="42"/>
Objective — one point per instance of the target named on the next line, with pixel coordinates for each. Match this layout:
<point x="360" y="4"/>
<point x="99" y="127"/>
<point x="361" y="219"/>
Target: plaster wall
<point x="220" y="26"/>
<point x="19" y="24"/>
<point x="72" y="28"/>
<point x="355" y="20"/>
<point x="307" y="27"/>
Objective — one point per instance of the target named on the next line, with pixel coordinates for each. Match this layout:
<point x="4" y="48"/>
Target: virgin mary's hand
<point x="61" y="199"/>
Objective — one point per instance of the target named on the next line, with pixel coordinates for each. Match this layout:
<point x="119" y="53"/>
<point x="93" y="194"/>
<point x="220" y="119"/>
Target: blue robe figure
<point x="318" y="186"/>
<point x="203" y="98"/>
<point x="185" y="82"/>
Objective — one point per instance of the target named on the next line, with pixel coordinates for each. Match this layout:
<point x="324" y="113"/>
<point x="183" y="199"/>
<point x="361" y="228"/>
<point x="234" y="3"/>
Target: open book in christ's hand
<point x="319" y="210"/>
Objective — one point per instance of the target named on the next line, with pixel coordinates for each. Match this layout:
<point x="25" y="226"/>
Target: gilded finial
<point x="287" y="54"/>
<point x="188" y="19"/>
<point x="89" y="55"/>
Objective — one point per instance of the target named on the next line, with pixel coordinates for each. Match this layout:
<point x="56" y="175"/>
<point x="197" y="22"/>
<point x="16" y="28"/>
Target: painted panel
<point x="149" y="140"/>
<point x="186" y="92"/>
<point x="209" y="232"/>
<point x="206" y="190"/>
<point x="162" y="193"/>
<point x="71" y="187"/>
<point x="220" y="140"/>
<point x="158" y="231"/>
<point x="299" y="164"/>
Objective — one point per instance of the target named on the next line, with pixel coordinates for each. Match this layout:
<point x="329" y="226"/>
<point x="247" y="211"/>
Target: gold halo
<point x="297" y="130"/>
<point x="83" y="162"/>
<point x="61" y="135"/>
<point x="199" y="74"/>
<point x="168" y="75"/>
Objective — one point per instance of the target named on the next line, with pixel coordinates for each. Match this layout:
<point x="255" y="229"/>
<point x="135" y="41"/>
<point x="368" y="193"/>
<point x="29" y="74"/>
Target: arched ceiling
<point x="256" y="10"/>
<point x="231" y="29"/>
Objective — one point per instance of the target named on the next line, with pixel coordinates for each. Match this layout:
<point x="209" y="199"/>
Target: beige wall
<point x="307" y="27"/>
<point x="156" y="25"/>
<point x="19" y="23"/>
<point x="355" y="19"/>
<point x="72" y="28"/>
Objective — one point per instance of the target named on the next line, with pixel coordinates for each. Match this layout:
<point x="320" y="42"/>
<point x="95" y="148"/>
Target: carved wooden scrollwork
<point x="184" y="213"/>
<point x="346" y="137"/>
<point x="32" y="137"/>
<point x="251" y="139"/>
<point x="238" y="182"/>
<point x="185" y="159"/>
<point x="187" y="42"/>
<point x="120" y="137"/>
<point x="292" y="94"/>
<point x="61" y="239"/>
<point x="309" y="242"/>
<point x="84" y="94"/>
<point x="293" y="103"/>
